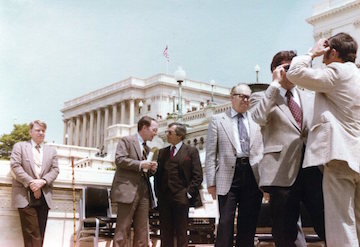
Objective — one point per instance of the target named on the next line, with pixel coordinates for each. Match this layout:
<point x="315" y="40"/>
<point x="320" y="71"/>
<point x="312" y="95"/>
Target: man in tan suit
<point x="334" y="138"/>
<point x="35" y="167"/>
<point x="233" y="150"/>
<point x="130" y="187"/>
<point x="284" y="113"/>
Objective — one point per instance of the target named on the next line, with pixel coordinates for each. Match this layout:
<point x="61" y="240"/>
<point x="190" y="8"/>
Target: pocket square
<point x="187" y="158"/>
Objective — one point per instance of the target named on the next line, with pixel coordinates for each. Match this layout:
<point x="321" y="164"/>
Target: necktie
<point x="172" y="151"/>
<point x="294" y="108"/>
<point x="37" y="147"/>
<point x="144" y="155"/>
<point x="243" y="135"/>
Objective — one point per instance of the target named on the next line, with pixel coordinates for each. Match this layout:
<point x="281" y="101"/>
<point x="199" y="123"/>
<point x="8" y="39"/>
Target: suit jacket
<point x="188" y="177"/>
<point x="335" y="130"/>
<point x="128" y="175"/>
<point x="23" y="167"/>
<point x="282" y="137"/>
<point x="220" y="158"/>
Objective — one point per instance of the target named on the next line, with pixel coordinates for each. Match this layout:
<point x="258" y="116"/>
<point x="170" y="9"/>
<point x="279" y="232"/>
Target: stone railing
<point x="66" y="153"/>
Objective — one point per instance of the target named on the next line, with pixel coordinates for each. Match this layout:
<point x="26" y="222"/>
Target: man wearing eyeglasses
<point x="177" y="183"/>
<point x="233" y="149"/>
<point x="284" y="113"/>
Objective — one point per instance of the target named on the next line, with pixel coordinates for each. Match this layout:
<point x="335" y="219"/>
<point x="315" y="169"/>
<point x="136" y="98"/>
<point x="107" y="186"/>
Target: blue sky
<point x="53" y="51"/>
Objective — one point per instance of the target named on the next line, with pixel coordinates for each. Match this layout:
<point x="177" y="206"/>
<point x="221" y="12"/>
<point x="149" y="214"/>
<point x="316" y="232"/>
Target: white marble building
<point x="87" y="118"/>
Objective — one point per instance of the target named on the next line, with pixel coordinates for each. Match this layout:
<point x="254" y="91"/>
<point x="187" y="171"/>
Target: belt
<point x="242" y="160"/>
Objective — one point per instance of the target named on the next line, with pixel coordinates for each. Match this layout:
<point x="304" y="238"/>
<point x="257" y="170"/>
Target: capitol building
<point x="94" y="123"/>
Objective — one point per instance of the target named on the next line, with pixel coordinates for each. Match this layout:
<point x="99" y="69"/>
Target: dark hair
<point x="345" y="45"/>
<point x="145" y="121"/>
<point x="281" y="56"/>
<point x="180" y="129"/>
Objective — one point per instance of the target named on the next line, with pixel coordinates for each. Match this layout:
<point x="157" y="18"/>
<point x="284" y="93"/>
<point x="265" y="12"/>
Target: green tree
<point x="7" y="141"/>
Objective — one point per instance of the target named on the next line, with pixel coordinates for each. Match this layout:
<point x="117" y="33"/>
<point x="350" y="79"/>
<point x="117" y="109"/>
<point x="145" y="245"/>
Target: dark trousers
<point x="33" y="223"/>
<point x="285" y="206"/>
<point x="244" y="195"/>
<point x="173" y="223"/>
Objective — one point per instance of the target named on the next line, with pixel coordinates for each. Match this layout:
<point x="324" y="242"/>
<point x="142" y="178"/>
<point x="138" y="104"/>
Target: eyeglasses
<point x="170" y="132"/>
<point x="242" y="96"/>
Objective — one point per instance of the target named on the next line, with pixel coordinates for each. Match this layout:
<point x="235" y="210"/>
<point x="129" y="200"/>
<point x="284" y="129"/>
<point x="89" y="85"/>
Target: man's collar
<point x="140" y="138"/>
<point x="178" y="146"/>
<point x="283" y="91"/>
<point x="34" y="144"/>
<point x="234" y="113"/>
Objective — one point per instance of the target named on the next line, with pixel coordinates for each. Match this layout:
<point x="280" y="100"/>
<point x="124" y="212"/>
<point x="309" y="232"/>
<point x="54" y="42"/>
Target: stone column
<point x="98" y="122"/>
<point x="91" y="130"/>
<point x="114" y="114"/>
<point x="106" y="122"/>
<point x="77" y="131"/>
<point x="66" y="136"/>
<point x="132" y="112"/>
<point x="71" y="131"/>
<point x="122" y="112"/>
<point x="83" y="135"/>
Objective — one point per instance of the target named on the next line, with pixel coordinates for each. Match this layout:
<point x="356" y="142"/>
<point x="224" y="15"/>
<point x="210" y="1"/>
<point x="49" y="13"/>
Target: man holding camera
<point x="284" y="114"/>
<point x="334" y="138"/>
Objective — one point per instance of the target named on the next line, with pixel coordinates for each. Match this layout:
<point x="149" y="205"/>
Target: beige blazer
<point x="335" y="130"/>
<point x="23" y="167"/>
<point x="283" y="139"/>
<point x="221" y="151"/>
<point x="127" y="176"/>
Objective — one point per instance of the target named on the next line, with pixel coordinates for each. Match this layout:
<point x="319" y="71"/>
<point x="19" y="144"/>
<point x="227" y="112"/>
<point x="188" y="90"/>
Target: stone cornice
<point x="137" y="83"/>
<point x="323" y="15"/>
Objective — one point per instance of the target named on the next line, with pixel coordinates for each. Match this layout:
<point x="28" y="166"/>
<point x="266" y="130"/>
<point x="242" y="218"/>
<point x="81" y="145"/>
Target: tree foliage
<point x="19" y="133"/>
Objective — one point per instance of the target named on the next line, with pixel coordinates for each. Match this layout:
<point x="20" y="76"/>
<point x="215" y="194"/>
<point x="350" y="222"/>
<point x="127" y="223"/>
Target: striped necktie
<point x="144" y="155"/>
<point x="294" y="108"/>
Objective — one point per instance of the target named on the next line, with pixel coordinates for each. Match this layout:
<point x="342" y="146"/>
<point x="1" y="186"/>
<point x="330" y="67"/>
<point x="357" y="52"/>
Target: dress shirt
<point x="177" y="147"/>
<point x="283" y="92"/>
<point x="234" y="118"/>
<point x="37" y="156"/>
<point x="141" y="141"/>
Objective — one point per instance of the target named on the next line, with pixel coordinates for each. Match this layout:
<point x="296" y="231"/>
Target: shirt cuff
<point x="275" y="83"/>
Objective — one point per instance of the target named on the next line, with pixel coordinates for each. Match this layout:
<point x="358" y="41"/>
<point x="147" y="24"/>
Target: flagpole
<point x="167" y="67"/>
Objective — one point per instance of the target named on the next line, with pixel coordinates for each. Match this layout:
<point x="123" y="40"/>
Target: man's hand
<point x="37" y="194"/>
<point x="37" y="184"/>
<point x="146" y="165"/>
<point x="279" y="74"/>
<point x="154" y="166"/>
<point x="212" y="191"/>
<point x="320" y="48"/>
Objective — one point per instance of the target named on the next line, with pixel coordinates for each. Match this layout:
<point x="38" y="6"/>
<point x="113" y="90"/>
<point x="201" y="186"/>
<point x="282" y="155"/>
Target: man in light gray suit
<point x="35" y="167"/>
<point x="284" y="113"/>
<point x="233" y="149"/>
<point x="131" y="188"/>
<point x="334" y="137"/>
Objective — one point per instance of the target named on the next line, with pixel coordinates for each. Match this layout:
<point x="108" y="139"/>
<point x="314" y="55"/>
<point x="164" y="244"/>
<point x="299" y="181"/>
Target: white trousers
<point x="341" y="187"/>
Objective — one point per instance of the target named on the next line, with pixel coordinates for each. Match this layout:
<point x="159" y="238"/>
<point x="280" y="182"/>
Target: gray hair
<point x="180" y="129"/>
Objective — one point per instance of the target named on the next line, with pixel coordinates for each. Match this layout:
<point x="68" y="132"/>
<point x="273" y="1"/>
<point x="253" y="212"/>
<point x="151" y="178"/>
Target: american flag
<point x="166" y="54"/>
